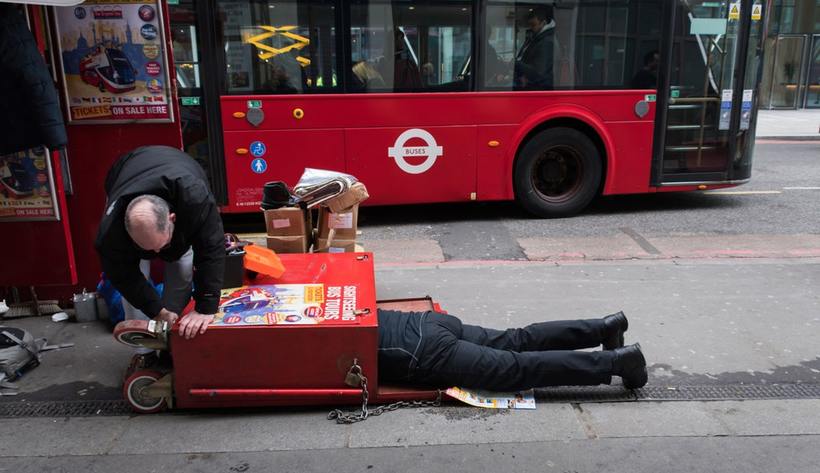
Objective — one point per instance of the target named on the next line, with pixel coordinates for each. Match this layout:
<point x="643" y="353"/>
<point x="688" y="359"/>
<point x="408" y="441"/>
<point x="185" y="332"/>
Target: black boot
<point x="614" y="327"/>
<point x="630" y="365"/>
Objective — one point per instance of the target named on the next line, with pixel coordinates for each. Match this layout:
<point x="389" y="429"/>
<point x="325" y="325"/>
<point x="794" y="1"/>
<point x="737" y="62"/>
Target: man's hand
<point x="194" y="323"/>
<point x="167" y="316"/>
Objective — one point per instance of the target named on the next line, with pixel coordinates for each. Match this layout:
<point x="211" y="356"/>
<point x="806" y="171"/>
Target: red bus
<point x="549" y="102"/>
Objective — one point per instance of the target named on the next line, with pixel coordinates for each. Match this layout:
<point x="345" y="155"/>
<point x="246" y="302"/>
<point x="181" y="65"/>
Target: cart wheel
<point x="133" y="392"/>
<point x="135" y="333"/>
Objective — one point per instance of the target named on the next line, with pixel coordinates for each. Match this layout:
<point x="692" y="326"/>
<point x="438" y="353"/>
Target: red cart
<point x="300" y="339"/>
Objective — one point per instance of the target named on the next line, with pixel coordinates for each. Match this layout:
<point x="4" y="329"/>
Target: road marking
<point x="806" y="188"/>
<point x="743" y="192"/>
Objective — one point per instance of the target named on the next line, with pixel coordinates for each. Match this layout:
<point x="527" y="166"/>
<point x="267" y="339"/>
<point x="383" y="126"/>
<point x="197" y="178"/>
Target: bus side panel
<point x="628" y="171"/>
<point x="403" y="164"/>
<point x="284" y="155"/>
<point x="494" y="180"/>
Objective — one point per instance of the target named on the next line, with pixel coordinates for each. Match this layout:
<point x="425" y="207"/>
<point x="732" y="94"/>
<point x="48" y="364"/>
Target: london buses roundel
<point x="400" y="152"/>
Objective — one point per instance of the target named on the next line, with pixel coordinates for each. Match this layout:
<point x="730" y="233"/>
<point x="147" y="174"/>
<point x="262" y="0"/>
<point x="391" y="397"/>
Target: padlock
<point x="354" y="377"/>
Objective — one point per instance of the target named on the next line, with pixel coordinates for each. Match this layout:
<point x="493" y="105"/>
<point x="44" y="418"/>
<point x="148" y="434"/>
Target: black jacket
<point x="174" y="176"/>
<point x="29" y="108"/>
<point x="535" y="61"/>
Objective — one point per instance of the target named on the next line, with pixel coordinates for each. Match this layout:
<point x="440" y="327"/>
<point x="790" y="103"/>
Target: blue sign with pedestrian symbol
<point x="258" y="149"/>
<point x="259" y="165"/>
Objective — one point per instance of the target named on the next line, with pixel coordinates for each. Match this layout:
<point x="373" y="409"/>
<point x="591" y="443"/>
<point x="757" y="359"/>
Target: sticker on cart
<point x="285" y="304"/>
<point x="258" y="149"/>
<point x="259" y="165"/>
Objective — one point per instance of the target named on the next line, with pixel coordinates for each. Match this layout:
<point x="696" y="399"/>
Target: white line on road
<point x="806" y="188"/>
<point x="743" y="192"/>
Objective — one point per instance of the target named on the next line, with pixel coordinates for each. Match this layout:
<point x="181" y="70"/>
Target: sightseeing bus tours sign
<point x="113" y="61"/>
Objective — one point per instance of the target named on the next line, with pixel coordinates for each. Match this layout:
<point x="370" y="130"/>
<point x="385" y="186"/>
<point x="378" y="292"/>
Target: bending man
<point x="159" y="206"/>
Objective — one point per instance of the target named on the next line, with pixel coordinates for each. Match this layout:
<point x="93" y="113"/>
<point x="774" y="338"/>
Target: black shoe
<point x="630" y="365"/>
<point x="614" y="327"/>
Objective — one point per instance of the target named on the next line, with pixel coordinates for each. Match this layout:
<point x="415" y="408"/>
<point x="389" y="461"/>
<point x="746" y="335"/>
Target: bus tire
<point x="557" y="173"/>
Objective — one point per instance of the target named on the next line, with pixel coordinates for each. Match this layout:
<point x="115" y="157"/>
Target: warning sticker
<point x="734" y="11"/>
<point x="757" y="12"/>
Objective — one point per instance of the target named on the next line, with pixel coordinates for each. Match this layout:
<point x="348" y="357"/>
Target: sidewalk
<point x="788" y="124"/>
<point x="734" y="331"/>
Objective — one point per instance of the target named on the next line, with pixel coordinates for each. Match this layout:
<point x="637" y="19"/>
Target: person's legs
<point x="448" y="359"/>
<point x="132" y="313"/>
<point x="553" y="335"/>
<point x="177" y="286"/>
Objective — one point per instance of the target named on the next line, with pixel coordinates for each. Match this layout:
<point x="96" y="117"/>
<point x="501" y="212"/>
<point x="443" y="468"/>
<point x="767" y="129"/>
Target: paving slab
<point x="230" y="432"/>
<point x="66" y="436"/>
<point x="615" y="247"/>
<point x="737" y="246"/>
<point x="653" y="419"/>
<point x="784" y="417"/>
<point x="467" y="425"/>
<point x="403" y="251"/>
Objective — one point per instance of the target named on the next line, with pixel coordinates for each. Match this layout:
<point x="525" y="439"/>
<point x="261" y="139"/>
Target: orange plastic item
<point x="263" y="261"/>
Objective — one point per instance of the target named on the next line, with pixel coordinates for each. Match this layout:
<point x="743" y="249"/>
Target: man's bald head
<point x="149" y="222"/>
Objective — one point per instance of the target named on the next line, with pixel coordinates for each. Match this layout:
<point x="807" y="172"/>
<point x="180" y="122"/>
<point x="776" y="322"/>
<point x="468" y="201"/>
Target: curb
<point x="789" y="138"/>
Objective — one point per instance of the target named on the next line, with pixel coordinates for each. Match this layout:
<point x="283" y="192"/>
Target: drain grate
<point x="64" y="408"/>
<point x="724" y="392"/>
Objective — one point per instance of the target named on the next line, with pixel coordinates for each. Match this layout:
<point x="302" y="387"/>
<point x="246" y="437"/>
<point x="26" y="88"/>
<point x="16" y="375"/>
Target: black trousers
<point x="541" y="354"/>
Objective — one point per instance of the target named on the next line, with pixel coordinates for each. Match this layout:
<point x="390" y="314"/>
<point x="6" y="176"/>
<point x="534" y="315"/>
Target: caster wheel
<point x="138" y="399"/>
<point x="139" y="333"/>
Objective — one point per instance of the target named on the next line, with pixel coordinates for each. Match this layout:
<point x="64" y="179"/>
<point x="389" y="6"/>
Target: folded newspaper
<point x="493" y="400"/>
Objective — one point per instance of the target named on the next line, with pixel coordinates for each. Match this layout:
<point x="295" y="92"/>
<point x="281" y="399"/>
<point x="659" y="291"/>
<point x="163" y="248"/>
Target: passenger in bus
<point x="366" y="76"/>
<point x="438" y="350"/>
<point x="534" y="61"/>
<point x="406" y="75"/>
<point x="647" y="77"/>
<point x="159" y="205"/>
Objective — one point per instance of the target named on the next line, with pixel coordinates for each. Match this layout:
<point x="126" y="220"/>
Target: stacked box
<point x="289" y="230"/>
<point x="343" y="227"/>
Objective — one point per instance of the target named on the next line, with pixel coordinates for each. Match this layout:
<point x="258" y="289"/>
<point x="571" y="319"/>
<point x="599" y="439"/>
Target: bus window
<point x="545" y="45"/>
<point x="278" y="47"/>
<point x="410" y="46"/>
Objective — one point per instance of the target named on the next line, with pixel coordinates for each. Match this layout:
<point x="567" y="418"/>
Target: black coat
<point x="30" y="113"/>
<point x="175" y="177"/>
<point x="535" y="62"/>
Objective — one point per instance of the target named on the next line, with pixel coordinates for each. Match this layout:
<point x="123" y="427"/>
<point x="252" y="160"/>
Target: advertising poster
<point x="287" y="304"/>
<point x="492" y="400"/>
<point x="113" y="61"/>
<point x="27" y="186"/>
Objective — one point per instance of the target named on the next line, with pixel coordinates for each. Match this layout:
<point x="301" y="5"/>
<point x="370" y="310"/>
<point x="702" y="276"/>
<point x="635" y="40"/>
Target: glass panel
<point x="278" y="47"/>
<point x="542" y="45"/>
<point x="410" y="46"/>
<point x="786" y="73"/>
<point x="697" y="124"/>
<point x="192" y="116"/>
<point x="813" y="94"/>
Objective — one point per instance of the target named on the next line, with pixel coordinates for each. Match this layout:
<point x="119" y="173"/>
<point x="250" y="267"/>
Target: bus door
<point x="280" y="63"/>
<point x="707" y="92"/>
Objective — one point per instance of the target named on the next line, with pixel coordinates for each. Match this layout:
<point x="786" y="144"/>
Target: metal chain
<point x="351" y="417"/>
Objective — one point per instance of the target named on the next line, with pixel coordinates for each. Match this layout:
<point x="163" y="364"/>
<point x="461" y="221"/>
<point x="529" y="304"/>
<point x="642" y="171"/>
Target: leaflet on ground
<point x="493" y="400"/>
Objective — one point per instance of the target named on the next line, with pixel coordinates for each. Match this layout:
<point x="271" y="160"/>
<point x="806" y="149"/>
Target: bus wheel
<point x="557" y="173"/>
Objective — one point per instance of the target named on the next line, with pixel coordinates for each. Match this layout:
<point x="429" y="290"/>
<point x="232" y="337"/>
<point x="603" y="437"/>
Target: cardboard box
<point x="345" y="223"/>
<point x="345" y="201"/>
<point x="288" y="244"/>
<point x="287" y="221"/>
<point x="336" y="246"/>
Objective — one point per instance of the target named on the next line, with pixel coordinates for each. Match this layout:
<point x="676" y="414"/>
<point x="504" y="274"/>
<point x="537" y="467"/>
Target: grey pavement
<point x="801" y="124"/>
